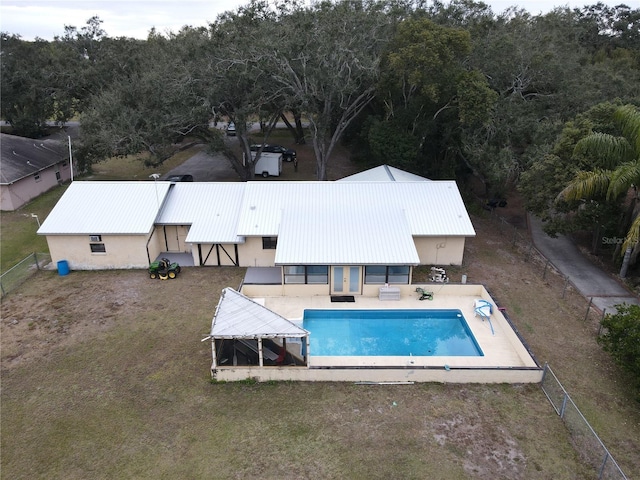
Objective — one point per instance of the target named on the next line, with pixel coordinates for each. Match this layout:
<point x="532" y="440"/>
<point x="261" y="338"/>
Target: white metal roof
<point x="126" y="208"/>
<point x="210" y="208"/>
<point x="336" y="234"/>
<point x="238" y="316"/>
<point x="432" y="208"/>
<point x="364" y="222"/>
<point x="384" y="173"/>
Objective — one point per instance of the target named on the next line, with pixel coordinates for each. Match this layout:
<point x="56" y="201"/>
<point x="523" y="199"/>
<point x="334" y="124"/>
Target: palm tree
<point x="619" y="157"/>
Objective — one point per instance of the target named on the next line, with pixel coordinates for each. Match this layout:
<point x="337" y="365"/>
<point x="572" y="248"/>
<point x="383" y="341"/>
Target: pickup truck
<point x="288" y="154"/>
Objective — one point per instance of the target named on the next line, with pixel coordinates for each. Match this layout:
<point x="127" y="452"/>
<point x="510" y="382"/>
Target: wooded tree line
<point x="442" y="90"/>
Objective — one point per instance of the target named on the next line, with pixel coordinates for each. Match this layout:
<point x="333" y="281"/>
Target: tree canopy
<point x="442" y="90"/>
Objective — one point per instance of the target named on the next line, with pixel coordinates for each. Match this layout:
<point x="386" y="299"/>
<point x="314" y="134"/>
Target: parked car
<point x="231" y="129"/>
<point x="180" y="178"/>
<point x="288" y="154"/>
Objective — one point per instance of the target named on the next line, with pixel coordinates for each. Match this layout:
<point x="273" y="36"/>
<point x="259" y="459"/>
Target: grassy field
<point x="104" y="376"/>
<point x="124" y="392"/>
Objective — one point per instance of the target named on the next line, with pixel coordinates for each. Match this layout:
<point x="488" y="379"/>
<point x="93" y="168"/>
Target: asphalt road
<point x="586" y="277"/>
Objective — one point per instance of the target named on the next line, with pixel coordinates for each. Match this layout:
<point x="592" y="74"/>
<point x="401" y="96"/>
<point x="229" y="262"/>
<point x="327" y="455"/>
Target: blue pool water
<point x="389" y="333"/>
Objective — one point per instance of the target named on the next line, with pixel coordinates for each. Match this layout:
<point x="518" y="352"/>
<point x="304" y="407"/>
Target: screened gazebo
<point x="245" y="333"/>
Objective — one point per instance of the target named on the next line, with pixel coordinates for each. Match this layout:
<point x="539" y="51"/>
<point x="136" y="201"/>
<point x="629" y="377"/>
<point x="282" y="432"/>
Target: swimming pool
<point x="389" y="333"/>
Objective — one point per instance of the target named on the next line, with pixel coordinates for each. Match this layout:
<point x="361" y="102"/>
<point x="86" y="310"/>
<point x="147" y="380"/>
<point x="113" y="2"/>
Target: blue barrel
<point x="63" y="268"/>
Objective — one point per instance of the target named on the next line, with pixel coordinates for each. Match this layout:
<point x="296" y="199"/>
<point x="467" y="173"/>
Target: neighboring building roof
<point x="238" y="316"/>
<point x="125" y="208"/>
<point x="384" y="173"/>
<point x="210" y="209"/>
<point x="22" y="156"/>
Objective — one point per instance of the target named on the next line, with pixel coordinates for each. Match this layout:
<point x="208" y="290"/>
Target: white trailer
<point x="269" y="164"/>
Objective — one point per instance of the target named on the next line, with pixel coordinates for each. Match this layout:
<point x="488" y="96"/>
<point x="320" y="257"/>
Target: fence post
<point x="528" y="255"/>
<point x="588" y="308"/>
<point x="564" y="404"/>
<point x="604" y="310"/>
<point x="566" y="283"/>
<point x="604" y="463"/>
<point x="544" y="274"/>
<point x="35" y="259"/>
<point x="544" y="372"/>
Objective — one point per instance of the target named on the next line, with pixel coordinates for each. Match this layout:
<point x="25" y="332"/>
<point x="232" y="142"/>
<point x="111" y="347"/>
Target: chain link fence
<point x="557" y="282"/>
<point x="585" y="440"/>
<point x="17" y="274"/>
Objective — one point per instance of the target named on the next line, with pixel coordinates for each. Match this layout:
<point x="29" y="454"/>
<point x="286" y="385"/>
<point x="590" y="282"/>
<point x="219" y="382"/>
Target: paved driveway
<point x="588" y="279"/>
<point x="207" y="167"/>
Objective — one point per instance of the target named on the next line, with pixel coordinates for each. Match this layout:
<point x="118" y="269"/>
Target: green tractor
<point x="164" y="269"/>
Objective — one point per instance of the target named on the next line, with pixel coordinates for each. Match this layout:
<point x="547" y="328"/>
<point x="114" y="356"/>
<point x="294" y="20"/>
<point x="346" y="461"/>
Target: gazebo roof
<point x="238" y="316"/>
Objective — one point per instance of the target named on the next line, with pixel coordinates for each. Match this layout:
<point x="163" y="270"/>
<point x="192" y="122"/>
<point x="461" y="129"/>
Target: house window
<point x="380" y="274"/>
<point x="95" y="238"/>
<point x="36" y="177"/>
<point x="306" y="274"/>
<point x="98" y="248"/>
<point x="269" y="243"/>
<point x="58" y="176"/>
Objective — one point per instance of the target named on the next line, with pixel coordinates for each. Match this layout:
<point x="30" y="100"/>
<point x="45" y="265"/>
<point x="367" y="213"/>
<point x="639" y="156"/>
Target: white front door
<point x="345" y="279"/>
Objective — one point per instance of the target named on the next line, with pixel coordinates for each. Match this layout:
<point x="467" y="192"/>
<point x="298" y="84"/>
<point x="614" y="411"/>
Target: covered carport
<point x="245" y="333"/>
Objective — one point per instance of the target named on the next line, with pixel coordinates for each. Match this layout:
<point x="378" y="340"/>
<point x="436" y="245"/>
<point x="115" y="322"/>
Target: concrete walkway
<point x="587" y="278"/>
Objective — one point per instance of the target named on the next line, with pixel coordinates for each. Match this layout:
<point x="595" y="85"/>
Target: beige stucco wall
<point x="251" y="254"/>
<point x="155" y="245"/>
<point x="17" y="194"/>
<point x="440" y="250"/>
<point x="439" y="375"/>
<point x="124" y="251"/>
<point x="210" y="254"/>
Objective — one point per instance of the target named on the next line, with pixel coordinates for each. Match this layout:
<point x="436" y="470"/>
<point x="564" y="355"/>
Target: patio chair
<point x="424" y="295"/>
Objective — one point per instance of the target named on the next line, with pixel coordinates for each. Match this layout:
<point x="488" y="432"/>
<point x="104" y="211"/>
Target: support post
<point x="213" y="354"/>
<point x="260" y="358"/>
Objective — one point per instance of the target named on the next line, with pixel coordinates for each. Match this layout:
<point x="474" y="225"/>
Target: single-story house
<point x="30" y="167"/>
<point x="345" y="237"/>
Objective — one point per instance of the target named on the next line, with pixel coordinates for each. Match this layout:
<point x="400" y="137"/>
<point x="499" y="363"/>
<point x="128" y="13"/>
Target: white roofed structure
<point x="211" y="209"/>
<point x="124" y="208"/>
<point x="405" y="220"/>
<point x="238" y="316"/>
<point x="241" y="327"/>
<point x="384" y="173"/>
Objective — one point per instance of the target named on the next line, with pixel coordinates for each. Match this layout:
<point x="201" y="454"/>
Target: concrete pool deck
<point x="505" y="360"/>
